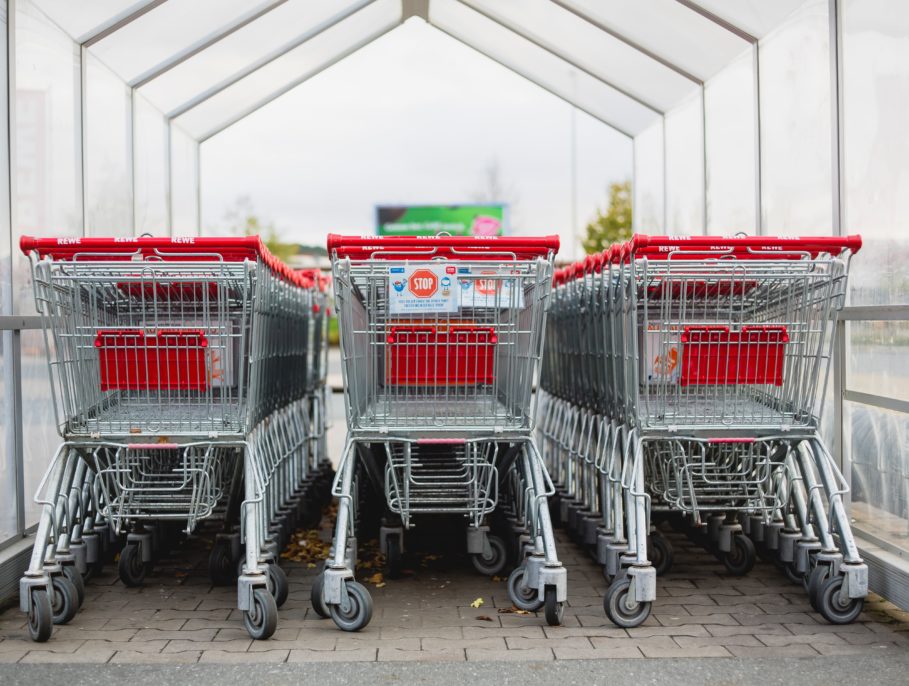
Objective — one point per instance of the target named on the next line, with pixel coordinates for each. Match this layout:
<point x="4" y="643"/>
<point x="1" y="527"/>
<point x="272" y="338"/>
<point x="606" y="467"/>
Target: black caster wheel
<point x="277" y="583"/>
<point x="358" y="610"/>
<point x="494" y="563"/>
<point x="222" y="568"/>
<point x="131" y="568"/>
<point x="315" y="597"/>
<point x="617" y="608"/>
<point x="660" y="552"/>
<point x="262" y="619"/>
<point x="40" y="616"/>
<point x="740" y="559"/>
<point x="832" y="607"/>
<point x="69" y="571"/>
<point x="523" y="597"/>
<point x="792" y="573"/>
<point x="552" y="608"/>
<point x="394" y="560"/>
<point x="816" y="579"/>
<point x="65" y="601"/>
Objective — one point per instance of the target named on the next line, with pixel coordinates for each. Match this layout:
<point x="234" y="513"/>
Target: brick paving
<point x="427" y="616"/>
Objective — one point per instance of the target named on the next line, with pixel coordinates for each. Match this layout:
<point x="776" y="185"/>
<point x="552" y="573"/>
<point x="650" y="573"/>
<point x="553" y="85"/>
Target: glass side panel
<point x="547" y="70"/>
<point x="729" y="104"/>
<point x="667" y="29"/>
<point x="795" y="125"/>
<point x="166" y="30"/>
<point x="648" y="183"/>
<point x="878" y="351"/>
<point x="291" y="68"/>
<point x="685" y="169"/>
<point x="268" y="35"/>
<point x="47" y="182"/>
<point x="184" y="183"/>
<point x="875" y="103"/>
<point x="107" y="153"/>
<point x="8" y="505"/>
<point x="596" y="51"/>
<point x="150" y="150"/>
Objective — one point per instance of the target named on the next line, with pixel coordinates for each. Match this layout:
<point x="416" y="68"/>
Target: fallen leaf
<point x="484" y="618"/>
<point x="499" y="578"/>
<point x="310" y="565"/>
<point x="512" y="611"/>
<point x="477" y="603"/>
<point x="376" y="578"/>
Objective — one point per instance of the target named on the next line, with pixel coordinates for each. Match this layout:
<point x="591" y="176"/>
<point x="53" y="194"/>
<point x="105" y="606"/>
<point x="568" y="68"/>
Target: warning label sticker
<point x="421" y="289"/>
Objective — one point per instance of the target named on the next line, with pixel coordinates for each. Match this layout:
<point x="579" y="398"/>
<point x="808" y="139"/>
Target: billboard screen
<point x="429" y="220"/>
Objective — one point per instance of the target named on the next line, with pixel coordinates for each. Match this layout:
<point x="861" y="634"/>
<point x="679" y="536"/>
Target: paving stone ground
<point x="178" y="617"/>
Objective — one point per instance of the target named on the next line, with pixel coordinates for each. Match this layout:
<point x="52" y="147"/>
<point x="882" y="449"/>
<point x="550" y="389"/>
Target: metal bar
<point x="534" y="81"/>
<point x="758" y="153"/>
<point x="293" y="84"/>
<point x="875" y="313"/>
<point x="267" y="59"/>
<point x="629" y="42"/>
<point x="18" y="439"/>
<point x="719" y="21"/>
<point x="170" y="178"/>
<point x="205" y="43"/>
<point x="836" y="114"/>
<point x="892" y="404"/>
<point x="556" y="53"/>
<point x="118" y="23"/>
<point x="19" y="322"/>
<point x="704" y="179"/>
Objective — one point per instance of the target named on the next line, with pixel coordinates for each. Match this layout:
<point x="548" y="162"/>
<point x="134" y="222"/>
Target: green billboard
<point x="429" y="220"/>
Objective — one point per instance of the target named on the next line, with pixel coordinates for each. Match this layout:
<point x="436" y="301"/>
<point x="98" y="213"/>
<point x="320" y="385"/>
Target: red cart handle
<point x="452" y="247"/>
<point x="175" y="249"/>
<point x="756" y="247"/>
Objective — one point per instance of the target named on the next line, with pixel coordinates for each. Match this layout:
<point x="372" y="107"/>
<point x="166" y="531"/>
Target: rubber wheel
<point x="131" y="568"/>
<point x="69" y="571"/>
<point x="262" y="620"/>
<point x="660" y="552"/>
<point x="277" y="583"/>
<point x="222" y="569"/>
<point x="740" y="560"/>
<point x="315" y="597"/>
<point x="791" y="572"/>
<point x="831" y="606"/>
<point x="523" y="597"/>
<point x="393" y="558"/>
<point x="618" y="613"/>
<point x="816" y="580"/>
<point x="358" y="611"/>
<point x="40" y="616"/>
<point x="495" y="562"/>
<point x="64" y="603"/>
<point x="553" y="610"/>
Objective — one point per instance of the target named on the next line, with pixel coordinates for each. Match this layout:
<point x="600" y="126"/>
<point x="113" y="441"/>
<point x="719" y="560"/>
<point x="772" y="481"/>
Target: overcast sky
<point x="415" y="117"/>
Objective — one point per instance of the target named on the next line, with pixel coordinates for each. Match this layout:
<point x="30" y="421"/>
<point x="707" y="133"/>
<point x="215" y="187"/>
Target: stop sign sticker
<point x="423" y="283"/>
<point x="413" y="289"/>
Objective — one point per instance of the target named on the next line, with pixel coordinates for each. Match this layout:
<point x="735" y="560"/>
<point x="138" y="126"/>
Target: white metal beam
<point x="719" y="21"/>
<point x="117" y="23"/>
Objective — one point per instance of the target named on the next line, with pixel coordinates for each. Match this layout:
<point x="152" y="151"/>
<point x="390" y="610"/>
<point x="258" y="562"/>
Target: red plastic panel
<point x="169" y="360"/>
<point x="716" y="356"/>
<point x="429" y="356"/>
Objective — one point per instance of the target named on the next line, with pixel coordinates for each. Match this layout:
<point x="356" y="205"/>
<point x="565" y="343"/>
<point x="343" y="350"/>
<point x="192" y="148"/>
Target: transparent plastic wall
<point x="648" y="185"/>
<point x="107" y="152"/>
<point x="150" y="159"/>
<point x="875" y="58"/>
<point x="47" y="200"/>
<point x="184" y="183"/>
<point x="685" y="168"/>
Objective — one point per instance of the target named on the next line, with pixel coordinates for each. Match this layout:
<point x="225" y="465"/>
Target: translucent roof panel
<point x="542" y="67"/>
<point x="167" y="30"/>
<point x="270" y="35"/>
<point x="290" y="69"/>
<point x="667" y="29"/>
<point x="580" y="42"/>
<point x="81" y="19"/>
<point x="757" y="17"/>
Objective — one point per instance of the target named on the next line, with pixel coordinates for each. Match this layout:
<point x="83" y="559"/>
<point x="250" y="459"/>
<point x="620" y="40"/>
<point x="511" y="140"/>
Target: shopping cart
<point x="688" y="380"/>
<point x="441" y="339"/>
<point x="183" y="394"/>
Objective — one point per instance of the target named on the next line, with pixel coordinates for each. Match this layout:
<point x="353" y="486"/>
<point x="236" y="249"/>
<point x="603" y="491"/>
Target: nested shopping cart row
<point x="683" y="380"/>
<point x="441" y="339"/>
<point x="188" y="378"/>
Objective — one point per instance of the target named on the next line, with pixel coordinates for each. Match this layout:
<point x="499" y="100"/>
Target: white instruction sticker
<point x="422" y="289"/>
<point x="490" y="289"/>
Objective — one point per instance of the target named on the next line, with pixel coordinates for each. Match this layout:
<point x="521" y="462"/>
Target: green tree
<point x="613" y="225"/>
<point x="243" y="220"/>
